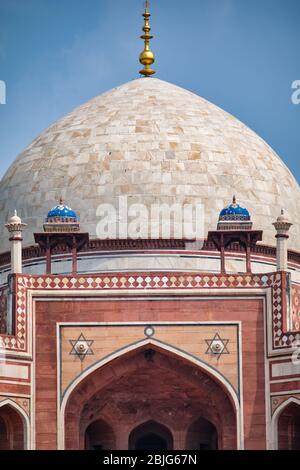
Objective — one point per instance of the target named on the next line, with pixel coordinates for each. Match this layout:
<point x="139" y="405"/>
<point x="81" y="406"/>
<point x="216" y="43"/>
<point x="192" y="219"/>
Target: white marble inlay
<point x="12" y="371"/>
<point x="285" y="369"/>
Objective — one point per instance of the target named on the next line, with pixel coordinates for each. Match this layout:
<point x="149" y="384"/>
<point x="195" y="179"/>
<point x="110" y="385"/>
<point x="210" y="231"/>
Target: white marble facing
<point x="156" y="143"/>
<point x="12" y="371"/>
<point x="285" y="369"/>
<point x="147" y="262"/>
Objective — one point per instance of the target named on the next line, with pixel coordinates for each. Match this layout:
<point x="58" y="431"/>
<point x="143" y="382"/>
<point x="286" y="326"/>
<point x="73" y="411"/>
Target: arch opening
<point x="148" y="385"/>
<point x="289" y="427"/>
<point x="150" y="436"/>
<point x="202" y="435"/>
<point x="12" y="433"/>
<point x="99" y="436"/>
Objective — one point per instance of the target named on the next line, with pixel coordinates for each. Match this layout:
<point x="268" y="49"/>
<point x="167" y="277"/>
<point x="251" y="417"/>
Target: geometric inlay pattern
<point x="149" y="331"/>
<point x="81" y="347"/>
<point x="295" y="307"/>
<point x="3" y="310"/>
<point x="275" y="282"/>
<point x="217" y="346"/>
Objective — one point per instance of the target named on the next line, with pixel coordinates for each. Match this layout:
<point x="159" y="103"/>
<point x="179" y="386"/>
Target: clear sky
<point x="242" y="55"/>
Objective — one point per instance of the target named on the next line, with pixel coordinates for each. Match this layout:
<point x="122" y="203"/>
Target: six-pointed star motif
<point x="81" y="347"/>
<point x="217" y="346"/>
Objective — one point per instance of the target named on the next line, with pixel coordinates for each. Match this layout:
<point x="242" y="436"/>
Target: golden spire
<point x="147" y="57"/>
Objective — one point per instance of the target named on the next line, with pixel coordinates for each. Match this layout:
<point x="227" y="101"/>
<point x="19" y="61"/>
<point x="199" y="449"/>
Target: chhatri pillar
<point x="282" y="226"/>
<point x="15" y="227"/>
<point x="61" y="229"/>
<point x="235" y="226"/>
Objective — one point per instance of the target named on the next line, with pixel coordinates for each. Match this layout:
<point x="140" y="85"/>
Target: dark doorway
<point x="289" y="428"/>
<point x="151" y="436"/>
<point x="11" y="429"/>
<point x="151" y="441"/>
<point x="99" y="436"/>
<point x="202" y="435"/>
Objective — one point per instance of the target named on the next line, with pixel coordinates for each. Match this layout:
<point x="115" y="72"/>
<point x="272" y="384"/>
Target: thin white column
<point x="15" y="228"/>
<point x="282" y="226"/>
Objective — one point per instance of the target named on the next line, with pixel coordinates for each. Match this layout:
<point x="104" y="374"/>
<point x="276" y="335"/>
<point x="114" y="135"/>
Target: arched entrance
<point x="149" y="384"/>
<point x="150" y="436"/>
<point x="99" y="436"/>
<point x="202" y="435"/>
<point x="12" y="435"/>
<point x="289" y="427"/>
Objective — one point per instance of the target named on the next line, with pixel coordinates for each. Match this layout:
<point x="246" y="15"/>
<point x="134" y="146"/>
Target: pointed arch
<point x="212" y="372"/>
<point x="99" y="435"/>
<point x="23" y="416"/>
<point x="148" y="430"/>
<point x="275" y="419"/>
<point x="202" y="434"/>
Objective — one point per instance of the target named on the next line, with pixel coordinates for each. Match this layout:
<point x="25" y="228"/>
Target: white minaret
<point x="282" y="226"/>
<point x="15" y="228"/>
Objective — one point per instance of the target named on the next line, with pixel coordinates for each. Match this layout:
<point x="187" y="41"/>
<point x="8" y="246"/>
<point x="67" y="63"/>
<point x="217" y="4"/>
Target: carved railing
<point x="98" y="245"/>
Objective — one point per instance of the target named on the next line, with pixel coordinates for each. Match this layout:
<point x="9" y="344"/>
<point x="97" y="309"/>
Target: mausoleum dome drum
<point x="155" y="143"/>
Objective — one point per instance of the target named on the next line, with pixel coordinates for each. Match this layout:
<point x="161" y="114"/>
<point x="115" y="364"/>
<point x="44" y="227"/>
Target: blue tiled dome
<point x="234" y="212"/>
<point x="62" y="213"/>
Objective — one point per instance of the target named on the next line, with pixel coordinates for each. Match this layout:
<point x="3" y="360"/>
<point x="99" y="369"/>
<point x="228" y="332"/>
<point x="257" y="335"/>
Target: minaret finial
<point x="147" y="57"/>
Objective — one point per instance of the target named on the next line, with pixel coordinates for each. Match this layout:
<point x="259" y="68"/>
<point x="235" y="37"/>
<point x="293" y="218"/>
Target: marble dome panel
<point x="155" y="143"/>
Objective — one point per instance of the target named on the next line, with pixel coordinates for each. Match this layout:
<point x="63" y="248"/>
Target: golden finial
<point x="147" y="57"/>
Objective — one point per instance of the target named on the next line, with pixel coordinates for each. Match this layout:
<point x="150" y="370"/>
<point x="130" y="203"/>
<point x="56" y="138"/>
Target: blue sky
<point x="242" y="55"/>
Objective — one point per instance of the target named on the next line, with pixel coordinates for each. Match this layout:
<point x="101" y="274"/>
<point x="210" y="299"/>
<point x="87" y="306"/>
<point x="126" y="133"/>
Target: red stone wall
<point x="16" y="389"/>
<point x="248" y="311"/>
<point x="3" y="311"/>
<point x="295" y="307"/>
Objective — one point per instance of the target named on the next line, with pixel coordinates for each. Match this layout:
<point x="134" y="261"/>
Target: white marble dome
<point x="156" y="143"/>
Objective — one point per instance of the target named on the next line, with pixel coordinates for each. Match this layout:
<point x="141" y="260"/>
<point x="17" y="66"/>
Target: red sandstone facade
<point x="196" y="360"/>
<point x="159" y="344"/>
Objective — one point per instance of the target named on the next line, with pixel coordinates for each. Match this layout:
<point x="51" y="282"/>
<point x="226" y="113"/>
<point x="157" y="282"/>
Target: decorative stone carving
<point x="217" y="346"/>
<point x="81" y="347"/>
